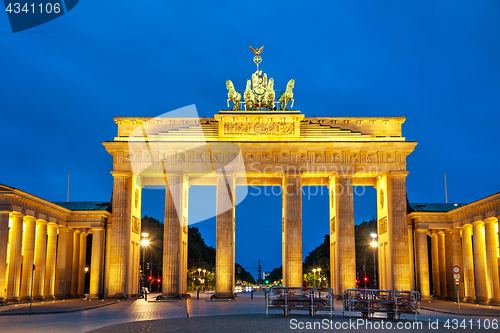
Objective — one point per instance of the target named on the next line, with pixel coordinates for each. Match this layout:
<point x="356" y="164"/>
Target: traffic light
<point x="150" y="278"/>
<point x="357" y="280"/>
<point x="159" y="280"/>
<point x="365" y="279"/>
<point x="267" y="281"/>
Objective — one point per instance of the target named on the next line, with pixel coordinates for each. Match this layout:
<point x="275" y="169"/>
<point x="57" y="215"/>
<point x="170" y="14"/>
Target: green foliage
<point x="276" y="275"/>
<point x="154" y="251"/>
<point x="319" y="258"/>
<point x="364" y="250"/>
<point x="200" y="255"/>
<point x="243" y="275"/>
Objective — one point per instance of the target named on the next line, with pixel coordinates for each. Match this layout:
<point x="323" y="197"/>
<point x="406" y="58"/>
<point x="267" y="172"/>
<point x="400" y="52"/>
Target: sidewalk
<point x="466" y="309"/>
<point x="51" y="307"/>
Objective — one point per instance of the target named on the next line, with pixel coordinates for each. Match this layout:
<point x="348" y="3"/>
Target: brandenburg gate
<point x="261" y="144"/>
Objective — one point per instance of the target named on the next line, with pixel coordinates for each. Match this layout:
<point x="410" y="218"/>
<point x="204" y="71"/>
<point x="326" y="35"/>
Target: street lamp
<point x="144" y="244"/>
<point x="374" y="244"/>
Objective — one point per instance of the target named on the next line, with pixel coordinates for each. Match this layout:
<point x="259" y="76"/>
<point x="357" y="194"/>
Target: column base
<point x="12" y="300"/>
<point x="25" y="299"/>
<point x="59" y="297"/>
<point x="98" y="297"/>
<point x="38" y="298"/>
<point x="494" y="302"/>
<point x="481" y="300"/>
<point x="68" y="296"/>
<point x="170" y="296"/>
<point x="469" y="300"/>
<point x="425" y="298"/>
<point x="124" y="296"/>
<point x="223" y="296"/>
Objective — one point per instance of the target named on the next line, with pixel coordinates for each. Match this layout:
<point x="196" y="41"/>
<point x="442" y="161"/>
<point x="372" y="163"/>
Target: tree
<point x="276" y="275"/>
<point x="242" y="275"/>
<point x="154" y="228"/>
<point x="364" y="251"/>
<point x="319" y="258"/>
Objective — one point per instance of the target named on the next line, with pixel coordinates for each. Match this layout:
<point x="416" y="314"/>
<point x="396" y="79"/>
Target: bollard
<point x="198" y="294"/>
<point x="251" y="294"/>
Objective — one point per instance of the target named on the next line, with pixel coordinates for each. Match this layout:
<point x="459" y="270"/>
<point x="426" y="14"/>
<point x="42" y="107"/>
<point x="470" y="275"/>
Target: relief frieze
<point x="259" y="128"/>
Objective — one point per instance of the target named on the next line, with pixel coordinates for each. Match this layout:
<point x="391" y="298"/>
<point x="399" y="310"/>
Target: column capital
<point x="39" y="221"/>
<point x="77" y="232"/>
<point x="121" y="174"/>
<point x="30" y="218"/>
<point x="97" y="228"/>
<point x="447" y="231"/>
<point x="478" y="223"/>
<point x="398" y="173"/>
<point x="491" y="220"/>
<point x="466" y="226"/>
<point x="5" y="212"/>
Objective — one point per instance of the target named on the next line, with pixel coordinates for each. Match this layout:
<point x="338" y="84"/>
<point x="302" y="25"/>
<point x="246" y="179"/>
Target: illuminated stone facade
<point x="245" y="148"/>
<point x="461" y="235"/>
<point x="53" y="238"/>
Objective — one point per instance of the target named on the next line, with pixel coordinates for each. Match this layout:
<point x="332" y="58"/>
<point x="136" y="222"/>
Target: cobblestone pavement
<point x="241" y="315"/>
<point x="468" y="308"/>
<point x="59" y="306"/>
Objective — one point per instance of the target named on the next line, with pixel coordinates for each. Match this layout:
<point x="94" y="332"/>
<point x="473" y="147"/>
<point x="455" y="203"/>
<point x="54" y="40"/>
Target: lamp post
<point x="144" y="243"/>
<point x="314" y="271"/>
<point x="374" y="244"/>
<point x="204" y="278"/>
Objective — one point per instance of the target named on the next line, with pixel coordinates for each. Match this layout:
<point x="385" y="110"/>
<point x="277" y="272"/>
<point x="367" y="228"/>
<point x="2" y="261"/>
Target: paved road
<point x="242" y="315"/>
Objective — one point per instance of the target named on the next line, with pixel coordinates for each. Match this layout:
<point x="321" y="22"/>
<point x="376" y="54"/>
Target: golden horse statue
<point x="287" y="96"/>
<point x="270" y="94"/>
<point x="249" y="104"/>
<point x="233" y="95"/>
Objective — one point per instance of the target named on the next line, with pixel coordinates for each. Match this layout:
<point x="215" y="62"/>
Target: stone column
<point x="450" y="281"/>
<point x="423" y="264"/>
<point x="468" y="264"/>
<point x="50" y="265"/>
<point x="442" y="265"/>
<point x="480" y="263"/>
<point x="492" y="261"/>
<point x="76" y="264"/>
<point x="120" y="236"/>
<point x="292" y="231"/>
<point x="81" y="268"/>
<point x="401" y="266"/>
<point x="40" y="259"/>
<point x="435" y="265"/>
<point x="345" y="234"/>
<point x="224" y="258"/>
<point x="15" y="257"/>
<point x="96" y="263"/>
<point x="457" y="261"/>
<point x="4" y="240"/>
<point x="69" y="263"/>
<point x="28" y="257"/>
<point x="172" y="247"/>
<point x="61" y="262"/>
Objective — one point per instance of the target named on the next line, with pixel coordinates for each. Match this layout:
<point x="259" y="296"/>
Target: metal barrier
<point x="288" y="299"/>
<point x="393" y="302"/>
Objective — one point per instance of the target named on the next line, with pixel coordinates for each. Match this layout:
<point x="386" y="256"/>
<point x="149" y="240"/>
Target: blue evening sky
<point x="435" y="62"/>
